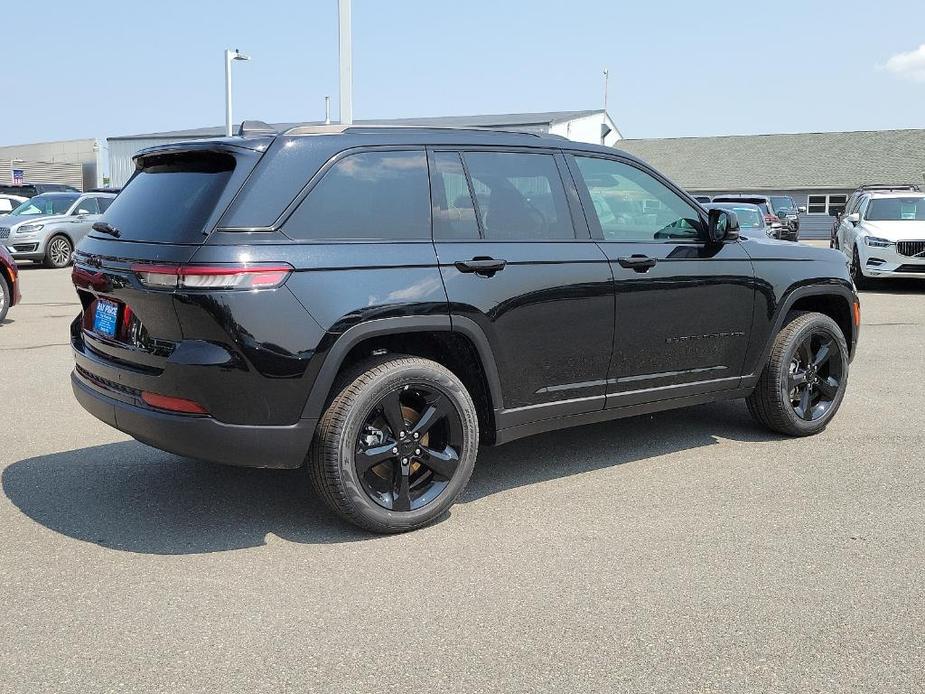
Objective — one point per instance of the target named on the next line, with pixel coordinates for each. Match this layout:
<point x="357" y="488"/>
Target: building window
<point x="826" y="204"/>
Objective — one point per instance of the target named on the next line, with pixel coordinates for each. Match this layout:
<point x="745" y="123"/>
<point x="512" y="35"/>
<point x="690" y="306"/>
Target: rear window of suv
<point x="171" y="197"/>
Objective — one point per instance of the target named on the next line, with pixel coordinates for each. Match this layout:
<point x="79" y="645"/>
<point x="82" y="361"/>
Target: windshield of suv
<point x="48" y="203"/>
<point x="896" y="210"/>
<point x="782" y="203"/>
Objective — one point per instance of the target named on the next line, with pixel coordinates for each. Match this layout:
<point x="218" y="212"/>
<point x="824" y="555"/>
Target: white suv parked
<point x="884" y="236"/>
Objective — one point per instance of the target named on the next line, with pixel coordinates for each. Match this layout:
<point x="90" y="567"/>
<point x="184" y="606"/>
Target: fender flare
<point x="793" y="295"/>
<point x="351" y="337"/>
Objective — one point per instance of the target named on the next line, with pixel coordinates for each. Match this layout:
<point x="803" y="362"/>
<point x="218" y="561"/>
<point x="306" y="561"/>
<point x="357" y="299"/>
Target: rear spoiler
<point x="227" y="144"/>
<point x="251" y="128"/>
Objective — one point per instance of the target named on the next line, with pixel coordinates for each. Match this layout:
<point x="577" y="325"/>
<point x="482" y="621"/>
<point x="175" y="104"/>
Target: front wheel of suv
<point x="804" y="381"/>
<point x="396" y="445"/>
<point x="58" y="253"/>
<point x="861" y="281"/>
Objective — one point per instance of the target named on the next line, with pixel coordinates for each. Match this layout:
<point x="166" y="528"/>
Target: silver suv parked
<point x="46" y="228"/>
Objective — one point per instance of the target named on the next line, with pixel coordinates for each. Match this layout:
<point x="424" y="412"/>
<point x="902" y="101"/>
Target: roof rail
<point x="890" y="187"/>
<point x="356" y="128"/>
<point x="255" y="127"/>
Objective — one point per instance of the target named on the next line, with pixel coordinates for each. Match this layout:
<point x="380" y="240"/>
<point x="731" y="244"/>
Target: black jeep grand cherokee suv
<point x="381" y="301"/>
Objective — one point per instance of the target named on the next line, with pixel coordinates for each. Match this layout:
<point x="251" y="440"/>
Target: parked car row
<point x="46" y="228"/>
<point x="29" y="190"/>
<point x="882" y="233"/>
<point x="781" y="214"/>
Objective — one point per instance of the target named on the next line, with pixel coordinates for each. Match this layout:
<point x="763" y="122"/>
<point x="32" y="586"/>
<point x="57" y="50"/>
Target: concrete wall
<point x="74" y="162"/>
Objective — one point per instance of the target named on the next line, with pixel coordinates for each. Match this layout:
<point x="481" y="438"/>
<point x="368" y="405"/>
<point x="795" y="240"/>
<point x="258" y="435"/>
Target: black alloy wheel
<point x="408" y="449"/>
<point x="816" y="372"/>
<point x="396" y="445"/>
<point x="804" y="382"/>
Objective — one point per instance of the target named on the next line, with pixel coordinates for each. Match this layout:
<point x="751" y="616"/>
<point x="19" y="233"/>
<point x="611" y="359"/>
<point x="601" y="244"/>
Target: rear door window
<point x="520" y="196"/>
<point x="170" y="199"/>
<point x="377" y="196"/>
<point x="87" y="206"/>
<point x="454" y="213"/>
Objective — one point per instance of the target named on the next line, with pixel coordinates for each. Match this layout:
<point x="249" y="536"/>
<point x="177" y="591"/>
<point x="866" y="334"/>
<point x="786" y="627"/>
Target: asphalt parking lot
<point x="686" y="551"/>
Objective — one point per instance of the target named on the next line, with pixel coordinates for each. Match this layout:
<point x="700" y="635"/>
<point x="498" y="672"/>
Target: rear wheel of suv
<point x="58" y="252"/>
<point x="803" y="384"/>
<point x="396" y="445"/>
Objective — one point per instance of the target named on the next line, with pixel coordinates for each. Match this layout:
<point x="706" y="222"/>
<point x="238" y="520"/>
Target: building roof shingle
<point x="842" y="160"/>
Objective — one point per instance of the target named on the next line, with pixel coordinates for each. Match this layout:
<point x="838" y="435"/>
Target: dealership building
<point x="78" y="163"/>
<point x="818" y="170"/>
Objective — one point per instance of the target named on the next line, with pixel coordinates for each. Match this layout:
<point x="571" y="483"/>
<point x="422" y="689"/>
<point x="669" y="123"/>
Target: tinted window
<point x="370" y="195"/>
<point x="47" y="203"/>
<point x="896" y="210"/>
<point x="454" y="214"/>
<point x="171" y="198"/>
<point x="104" y="203"/>
<point x="87" y="206"/>
<point x="520" y="196"/>
<point x="782" y="203"/>
<point x="630" y="205"/>
<point x="749" y="216"/>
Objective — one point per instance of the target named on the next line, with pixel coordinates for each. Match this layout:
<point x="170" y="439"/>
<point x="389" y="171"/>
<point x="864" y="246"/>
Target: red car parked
<point x="9" y="282"/>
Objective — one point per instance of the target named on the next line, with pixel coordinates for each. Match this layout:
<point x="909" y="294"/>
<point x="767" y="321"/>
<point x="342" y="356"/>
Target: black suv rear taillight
<point x="218" y="277"/>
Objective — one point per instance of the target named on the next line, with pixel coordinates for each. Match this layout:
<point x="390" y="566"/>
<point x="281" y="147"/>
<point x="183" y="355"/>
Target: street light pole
<point x="346" y="61"/>
<point x="229" y="56"/>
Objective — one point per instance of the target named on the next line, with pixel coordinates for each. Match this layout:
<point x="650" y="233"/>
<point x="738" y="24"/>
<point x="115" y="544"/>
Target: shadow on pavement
<point x="130" y="497"/>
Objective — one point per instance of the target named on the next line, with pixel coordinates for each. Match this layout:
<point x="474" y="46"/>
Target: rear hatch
<point x="159" y="220"/>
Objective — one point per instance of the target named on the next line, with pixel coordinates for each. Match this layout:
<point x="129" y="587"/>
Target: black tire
<point x="858" y="277"/>
<point x="378" y="499"/>
<point x="58" y="252"/>
<point x="5" y="298"/>
<point x="784" y="407"/>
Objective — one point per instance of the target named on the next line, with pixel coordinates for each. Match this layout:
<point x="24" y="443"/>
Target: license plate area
<point x="106" y="317"/>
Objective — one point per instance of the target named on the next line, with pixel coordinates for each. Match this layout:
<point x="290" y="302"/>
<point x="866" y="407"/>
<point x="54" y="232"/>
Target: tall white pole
<point x="346" y="61"/>
<point x="228" y="93"/>
<point x="606" y="78"/>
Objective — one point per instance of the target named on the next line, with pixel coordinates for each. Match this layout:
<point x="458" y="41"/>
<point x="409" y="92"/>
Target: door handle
<point x="639" y="263"/>
<point x="481" y="266"/>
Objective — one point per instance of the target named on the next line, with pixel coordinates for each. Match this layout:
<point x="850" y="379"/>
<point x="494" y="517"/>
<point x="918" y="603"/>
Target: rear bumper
<point x="199" y="437"/>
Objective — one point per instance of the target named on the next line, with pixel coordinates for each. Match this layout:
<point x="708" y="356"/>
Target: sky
<point x="101" y="69"/>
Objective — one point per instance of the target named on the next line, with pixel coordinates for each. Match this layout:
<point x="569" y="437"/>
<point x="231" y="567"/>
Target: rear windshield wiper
<point x="106" y="229"/>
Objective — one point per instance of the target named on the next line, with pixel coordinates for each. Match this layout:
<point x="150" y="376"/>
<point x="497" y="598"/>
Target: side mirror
<point x="854" y="218"/>
<point x="801" y="210"/>
<point x="724" y="226"/>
